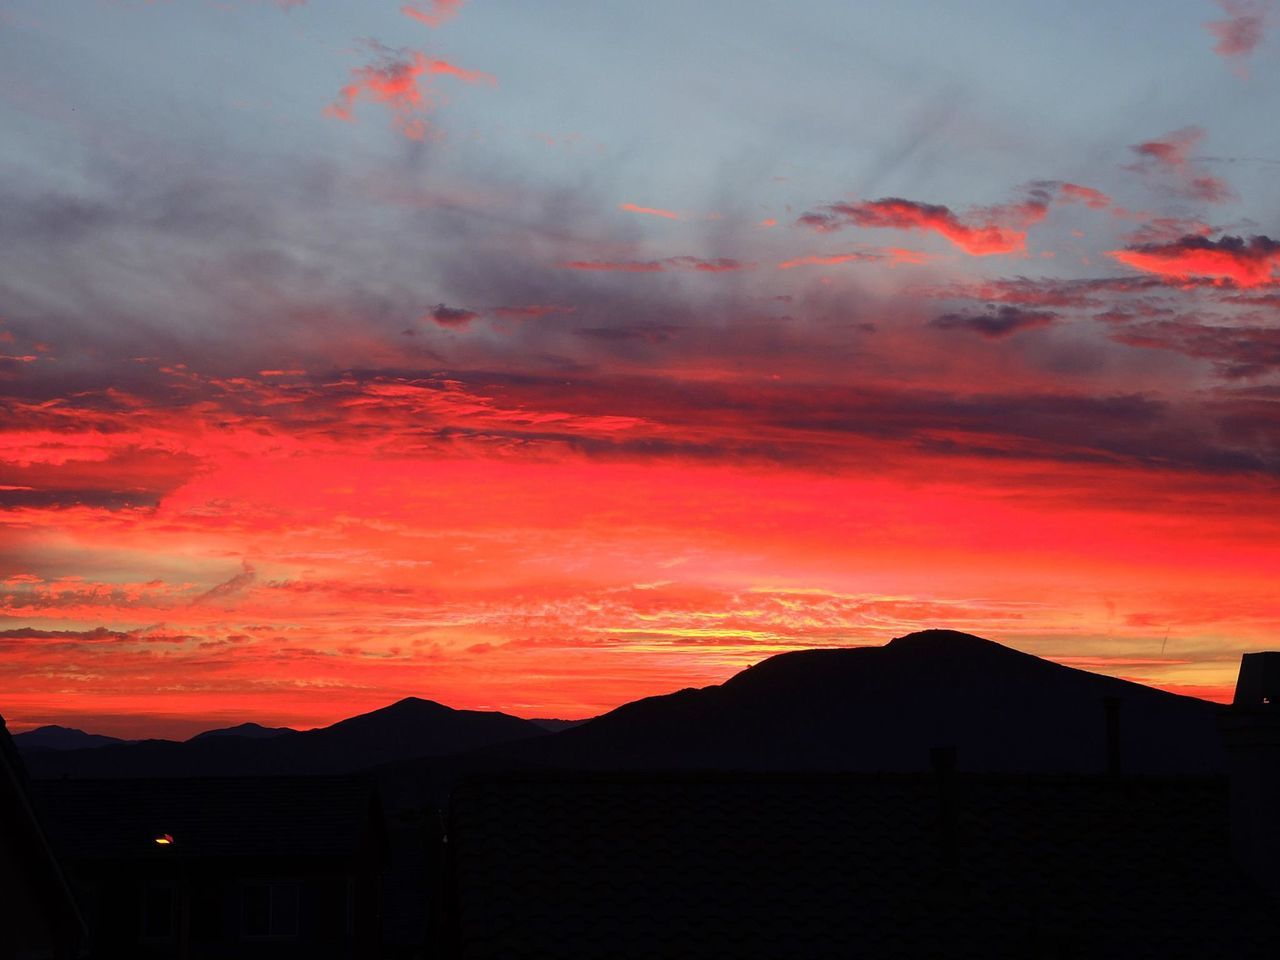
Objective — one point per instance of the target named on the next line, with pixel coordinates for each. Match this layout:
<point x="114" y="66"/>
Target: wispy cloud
<point x="1240" y="33"/>
<point x="400" y="80"/>
<point x="981" y="232"/>
<point x="1167" y="160"/>
<point x="649" y="211"/>
<point x="433" y="12"/>
<point x="684" y="264"/>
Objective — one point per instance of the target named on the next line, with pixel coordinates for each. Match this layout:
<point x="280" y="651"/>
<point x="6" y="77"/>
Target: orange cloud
<point x="433" y="12"/>
<point x="650" y="211"/>
<point x="339" y="539"/>
<point x="985" y="231"/>
<point x="1247" y="263"/>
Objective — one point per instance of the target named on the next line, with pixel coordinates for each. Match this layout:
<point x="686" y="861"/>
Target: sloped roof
<point x="815" y="866"/>
<point x="208" y="817"/>
<point x="20" y="820"/>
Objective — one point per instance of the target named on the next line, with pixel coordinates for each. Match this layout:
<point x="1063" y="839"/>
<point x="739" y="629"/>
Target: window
<point x="270" y="909"/>
<point x="157" y="913"/>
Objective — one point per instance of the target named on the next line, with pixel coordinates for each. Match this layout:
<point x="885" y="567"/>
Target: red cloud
<point x="395" y="80"/>
<point x="1169" y="157"/>
<point x="436" y="13"/>
<point x="985" y="231"/>
<point x="651" y="211"/>
<point x="1250" y="263"/>
<point x="1239" y="35"/>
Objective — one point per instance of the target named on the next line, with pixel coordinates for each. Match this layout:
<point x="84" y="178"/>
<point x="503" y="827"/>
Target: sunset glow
<point x="333" y="371"/>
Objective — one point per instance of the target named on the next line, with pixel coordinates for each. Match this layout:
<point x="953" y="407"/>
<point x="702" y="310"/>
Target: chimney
<point x="1250" y="730"/>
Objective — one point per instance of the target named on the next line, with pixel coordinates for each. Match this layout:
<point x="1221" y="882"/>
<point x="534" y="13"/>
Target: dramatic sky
<point x="540" y="356"/>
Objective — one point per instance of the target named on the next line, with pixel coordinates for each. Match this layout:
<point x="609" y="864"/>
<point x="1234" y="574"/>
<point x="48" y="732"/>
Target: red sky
<point x="381" y="405"/>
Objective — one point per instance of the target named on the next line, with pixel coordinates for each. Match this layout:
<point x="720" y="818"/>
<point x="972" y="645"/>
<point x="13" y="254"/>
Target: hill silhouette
<point x="406" y="729"/>
<point x="54" y="737"/>
<point x="885" y="708"/>
<point x="847" y="709"/>
<point x="253" y="731"/>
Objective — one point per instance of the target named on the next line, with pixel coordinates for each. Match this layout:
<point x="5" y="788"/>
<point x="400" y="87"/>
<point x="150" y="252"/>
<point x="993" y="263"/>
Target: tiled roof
<point x="817" y="866"/>
<point x="207" y="817"/>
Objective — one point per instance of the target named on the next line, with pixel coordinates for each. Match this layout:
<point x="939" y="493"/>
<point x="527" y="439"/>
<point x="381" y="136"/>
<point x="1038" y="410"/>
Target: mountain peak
<point x="941" y="639"/>
<point x="883" y="708"/>
<point x="55" y="737"/>
<point x="252" y="731"/>
<point x="407" y="704"/>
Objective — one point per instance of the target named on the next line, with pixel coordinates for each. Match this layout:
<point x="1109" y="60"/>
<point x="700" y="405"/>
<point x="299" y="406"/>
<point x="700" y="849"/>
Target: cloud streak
<point x="1250" y="262"/>
<point x="981" y="232"/>
<point x="433" y="13"/>
<point x="678" y="264"/>
<point x="649" y="211"/>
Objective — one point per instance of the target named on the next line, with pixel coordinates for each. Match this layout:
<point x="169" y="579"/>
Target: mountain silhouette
<point x="253" y="731"/>
<point x="555" y="725"/>
<point x="885" y="708"/>
<point x="848" y="709"/>
<point x="54" y="737"/>
<point x="406" y="729"/>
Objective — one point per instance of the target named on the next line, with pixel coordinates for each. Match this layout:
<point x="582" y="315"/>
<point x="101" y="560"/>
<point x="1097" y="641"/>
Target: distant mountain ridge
<point x="404" y="730"/>
<point x="848" y="709"/>
<point x="54" y="737"/>
<point x="253" y="731"/>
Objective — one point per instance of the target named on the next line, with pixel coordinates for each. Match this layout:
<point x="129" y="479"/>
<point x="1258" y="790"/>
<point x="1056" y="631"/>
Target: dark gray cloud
<point x="453" y="317"/>
<point x="996" y="322"/>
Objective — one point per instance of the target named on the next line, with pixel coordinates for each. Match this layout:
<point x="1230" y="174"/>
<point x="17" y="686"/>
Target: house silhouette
<point x="222" y="866"/>
<point x="39" y="918"/>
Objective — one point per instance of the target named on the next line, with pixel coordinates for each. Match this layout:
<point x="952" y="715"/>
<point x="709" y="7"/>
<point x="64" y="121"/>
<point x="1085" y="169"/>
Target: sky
<point x="542" y="356"/>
